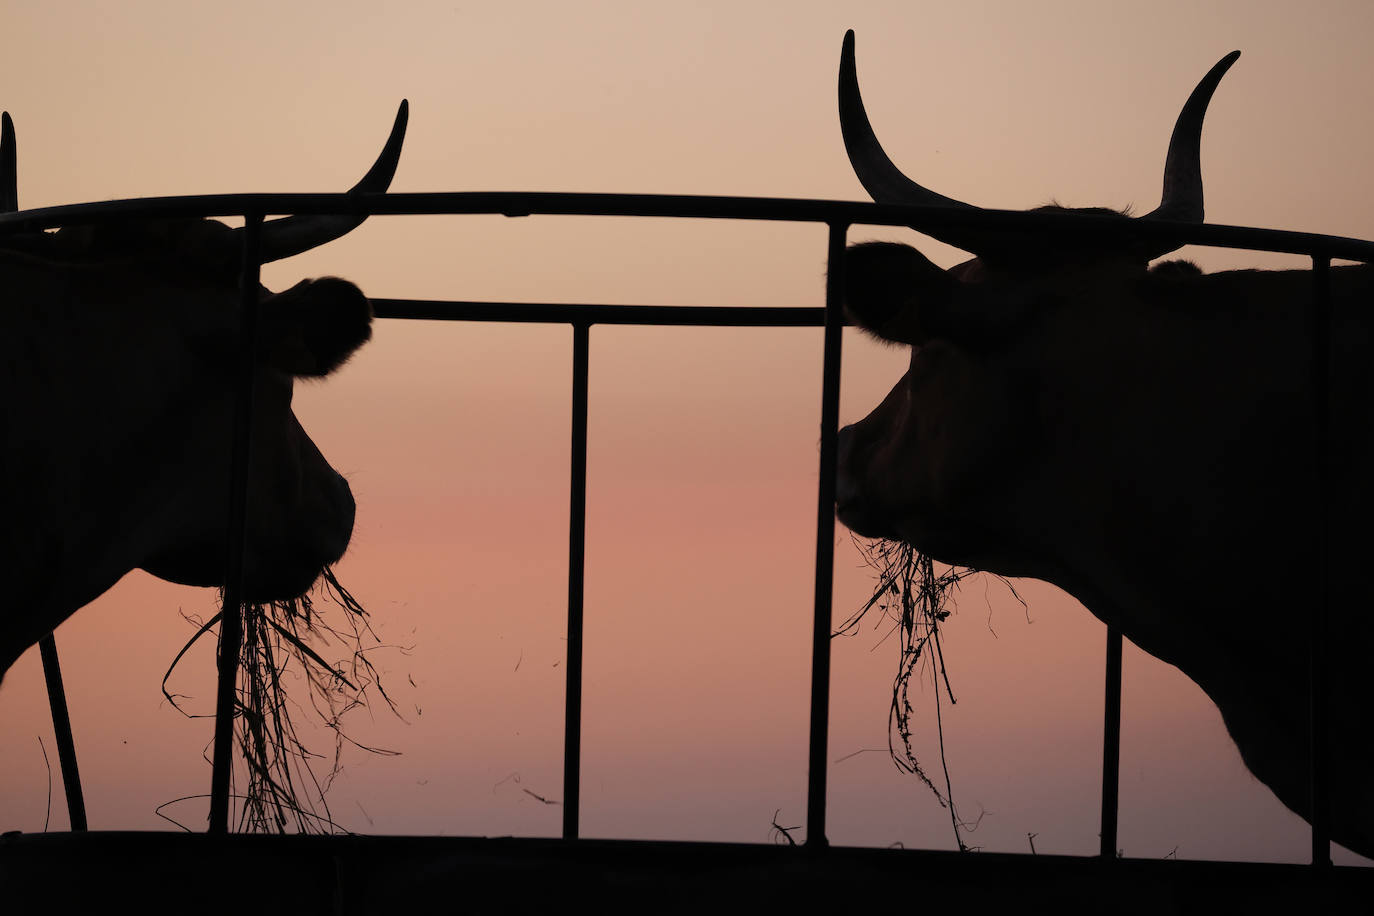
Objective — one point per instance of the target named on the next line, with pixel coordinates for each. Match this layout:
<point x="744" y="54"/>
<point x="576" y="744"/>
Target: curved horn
<point x="1181" y="200"/>
<point x="9" y="175"/>
<point x="291" y="235"/>
<point x="1182" y="197"/>
<point x="884" y="182"/>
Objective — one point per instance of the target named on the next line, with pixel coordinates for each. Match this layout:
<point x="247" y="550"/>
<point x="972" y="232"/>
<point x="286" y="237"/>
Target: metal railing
<point x="838" y="216"/>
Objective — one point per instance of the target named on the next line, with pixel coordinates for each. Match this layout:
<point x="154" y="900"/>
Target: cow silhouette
<point x="119" y="344"/>
<point x="1142" y="437"/>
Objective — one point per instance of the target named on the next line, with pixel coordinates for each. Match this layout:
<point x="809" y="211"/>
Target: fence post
<point x="62" y="730"/>
<point x="825" y="540"/>
<point x="1111" y="744"/>
<point x="231" y="610"/>
<point x="577" y="554"/>
<point x="1319" y="630"/>
<point x="47" y="646"/>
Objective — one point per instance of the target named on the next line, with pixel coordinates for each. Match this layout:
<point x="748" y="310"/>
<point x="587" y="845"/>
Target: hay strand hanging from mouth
<point x="284" y="793"/>
<point x="917" y="600"/>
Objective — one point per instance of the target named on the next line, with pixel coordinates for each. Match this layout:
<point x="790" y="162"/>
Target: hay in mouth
<point x="283" y="792"/>
<point x="913" y="598"/>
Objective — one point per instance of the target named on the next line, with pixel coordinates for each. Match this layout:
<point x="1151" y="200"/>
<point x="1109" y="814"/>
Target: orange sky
<point x="702" y="457"/>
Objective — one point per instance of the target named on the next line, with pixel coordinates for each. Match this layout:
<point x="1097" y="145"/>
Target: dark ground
<point x="195" y="873"/>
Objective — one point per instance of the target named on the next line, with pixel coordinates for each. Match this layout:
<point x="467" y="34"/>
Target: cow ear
<point x="314" y="327"/>
<point x="896" y="293"/>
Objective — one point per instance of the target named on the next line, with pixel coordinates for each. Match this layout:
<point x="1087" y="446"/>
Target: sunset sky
<point x="703" y="442"/>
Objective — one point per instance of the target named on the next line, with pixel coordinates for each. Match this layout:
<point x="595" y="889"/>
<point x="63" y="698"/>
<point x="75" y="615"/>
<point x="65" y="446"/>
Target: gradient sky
<point x="702" y="457"/>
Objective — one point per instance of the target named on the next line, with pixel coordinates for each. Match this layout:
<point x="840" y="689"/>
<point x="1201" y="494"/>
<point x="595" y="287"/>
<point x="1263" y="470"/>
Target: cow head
<point x="121" y="344"/>
<point x="1000" y="346"/>
<point x="1142" y="438"/>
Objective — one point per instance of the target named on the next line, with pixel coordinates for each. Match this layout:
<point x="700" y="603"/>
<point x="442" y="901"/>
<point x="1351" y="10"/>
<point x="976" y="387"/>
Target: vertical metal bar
<point x="62" y="729"/>
<point x="825" y="540"/>
<point x="47" y="646"/>
<point x="577" y="552"/>
<point x="231" y="620"/>
<point x="9" y="166"/>
<point x="1111" y="744"/>
<point x="1319" y="682"/>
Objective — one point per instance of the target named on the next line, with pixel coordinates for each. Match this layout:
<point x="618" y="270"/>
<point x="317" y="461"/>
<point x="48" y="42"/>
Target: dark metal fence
<point x="838" y="216"/>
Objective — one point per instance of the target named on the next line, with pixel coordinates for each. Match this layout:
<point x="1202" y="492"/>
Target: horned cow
<point x="118" y="342"/>
<point x="1140" y="437"/>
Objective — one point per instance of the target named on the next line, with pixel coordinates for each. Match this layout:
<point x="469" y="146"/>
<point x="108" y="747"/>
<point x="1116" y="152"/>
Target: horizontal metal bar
<point x="681" y="206"/>
<point x="712" y="316"/>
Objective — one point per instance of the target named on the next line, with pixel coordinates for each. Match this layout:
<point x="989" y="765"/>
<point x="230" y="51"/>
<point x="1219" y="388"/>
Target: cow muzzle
<point x="853" y="510"/>
<point x="283" y="564"/>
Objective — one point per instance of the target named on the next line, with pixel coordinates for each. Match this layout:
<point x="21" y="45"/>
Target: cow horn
<point x="9" y="174"/>
<point x="291" y="235"/>
<point x="1181" y="201"/>
<point x="884" y="181"/>
<point x="876" y="172"/>
<point x="1182" y="197"/>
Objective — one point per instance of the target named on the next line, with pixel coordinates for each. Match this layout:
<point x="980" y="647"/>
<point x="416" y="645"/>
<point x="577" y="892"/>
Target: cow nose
<point x="333" y="514"/>
<point x="343" y="502"/>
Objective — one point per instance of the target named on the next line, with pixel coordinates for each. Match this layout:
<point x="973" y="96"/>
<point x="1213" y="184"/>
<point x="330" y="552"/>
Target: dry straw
<point x="915" y="599"/>
<point x="283" y="792"/>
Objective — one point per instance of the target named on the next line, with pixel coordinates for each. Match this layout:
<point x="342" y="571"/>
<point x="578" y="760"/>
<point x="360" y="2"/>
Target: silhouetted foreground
<point x="1188" y="455"/>
<point x="162" y="872"/>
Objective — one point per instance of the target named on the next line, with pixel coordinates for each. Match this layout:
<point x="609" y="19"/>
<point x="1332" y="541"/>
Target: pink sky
<point x="702" y="456"/>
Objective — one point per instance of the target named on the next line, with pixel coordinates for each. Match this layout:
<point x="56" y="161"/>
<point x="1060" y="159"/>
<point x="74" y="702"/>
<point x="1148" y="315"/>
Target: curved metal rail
<point x="686" y="206"/>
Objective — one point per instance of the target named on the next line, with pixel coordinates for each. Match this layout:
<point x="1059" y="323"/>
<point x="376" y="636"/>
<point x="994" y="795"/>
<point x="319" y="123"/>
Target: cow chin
<point x="855" y="517"/>
<point x="940" y="539"/>
<point x="279" y="582"/>
<point x="274" y="583"/>
<point x="285" y="551"/>
<point x="270" y="573"/>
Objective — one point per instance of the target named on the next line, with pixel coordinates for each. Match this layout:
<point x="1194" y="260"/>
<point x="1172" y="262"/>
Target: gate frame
<point x="838" y="216"/>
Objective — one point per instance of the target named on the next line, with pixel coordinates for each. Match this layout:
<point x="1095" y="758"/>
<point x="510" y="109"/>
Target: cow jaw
<point x="914" y="471"/>
<point x="284" y="552"/>
<point x="300" y="510"/>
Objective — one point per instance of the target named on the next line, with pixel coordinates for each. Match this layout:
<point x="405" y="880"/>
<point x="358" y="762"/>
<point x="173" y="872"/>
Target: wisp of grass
<point x="284" y="793"/>
<point x="916" y="599"/>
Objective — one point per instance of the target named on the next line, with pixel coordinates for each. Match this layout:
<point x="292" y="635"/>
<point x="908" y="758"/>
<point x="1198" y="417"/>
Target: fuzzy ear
<point x="314" y="327"/>
<point x="895" y="293"/>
